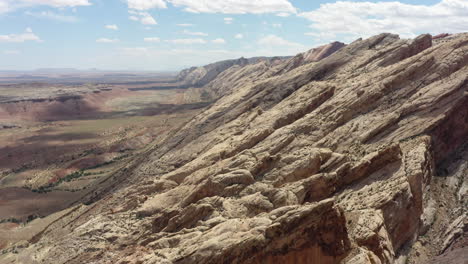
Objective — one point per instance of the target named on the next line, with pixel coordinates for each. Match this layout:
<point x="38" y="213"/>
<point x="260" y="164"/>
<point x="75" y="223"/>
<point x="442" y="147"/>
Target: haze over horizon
<point x="168" y="35"/>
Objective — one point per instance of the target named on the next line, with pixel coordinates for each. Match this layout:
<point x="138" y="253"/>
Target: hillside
<point x="351" y="153"/>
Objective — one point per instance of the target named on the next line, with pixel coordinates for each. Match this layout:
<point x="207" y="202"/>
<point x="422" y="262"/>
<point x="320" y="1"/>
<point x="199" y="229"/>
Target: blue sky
<point x="173" y="34"/>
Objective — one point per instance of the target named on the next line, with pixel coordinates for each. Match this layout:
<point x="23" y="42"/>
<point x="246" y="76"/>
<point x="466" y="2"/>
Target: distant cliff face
<point x="343" y="154"/>
<point x="218" y="78"/>
<point x="322" y="52"/>
<point x="200" y="76"/>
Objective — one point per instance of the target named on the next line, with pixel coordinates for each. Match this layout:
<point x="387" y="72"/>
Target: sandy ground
<point x="20" y="203"/>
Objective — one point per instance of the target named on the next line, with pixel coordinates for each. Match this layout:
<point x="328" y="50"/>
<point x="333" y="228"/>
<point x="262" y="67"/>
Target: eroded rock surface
<point x="359" y="157"/>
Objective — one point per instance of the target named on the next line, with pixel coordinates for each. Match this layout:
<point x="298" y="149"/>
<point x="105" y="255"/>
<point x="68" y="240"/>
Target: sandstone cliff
<point x="359" y="157"/>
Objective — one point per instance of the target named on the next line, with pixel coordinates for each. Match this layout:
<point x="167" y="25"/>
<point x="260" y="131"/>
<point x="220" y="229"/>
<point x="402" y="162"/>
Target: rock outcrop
<point x="359" y="157"/>
<point x="200" y="76"/>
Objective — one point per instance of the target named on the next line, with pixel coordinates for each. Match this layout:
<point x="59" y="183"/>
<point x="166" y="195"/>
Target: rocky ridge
<point x="200" y="76"/>
<point x="359" y="157"/>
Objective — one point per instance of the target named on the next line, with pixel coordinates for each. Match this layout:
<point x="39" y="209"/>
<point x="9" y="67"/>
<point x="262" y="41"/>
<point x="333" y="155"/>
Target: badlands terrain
<point x="352" y="153"/>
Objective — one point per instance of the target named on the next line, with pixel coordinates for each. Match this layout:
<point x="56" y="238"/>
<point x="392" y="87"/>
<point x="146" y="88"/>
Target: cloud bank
<point x="350" y="20"/>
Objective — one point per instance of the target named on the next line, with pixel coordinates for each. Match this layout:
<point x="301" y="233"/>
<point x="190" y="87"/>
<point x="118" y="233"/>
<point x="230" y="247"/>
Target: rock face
<point x="313" y="55"/>
<point x="359" y="157"/>
<point x="200" y="76"/>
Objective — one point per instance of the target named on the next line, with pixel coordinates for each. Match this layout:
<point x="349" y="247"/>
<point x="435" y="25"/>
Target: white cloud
<point x="56" y="3"/>
<point x="185" y="25"/>
<point x="11" y="52"/>
<point x="281" y="7"/>
<point x="4" y="7"/>
<point x="194" y="33"/>
<point x="144" y="18"/>
<point x="235" y="6"/>
<point x="112" y="27"/>
<point x="28" y="35"/>
<point x="146" y="4"/>
<point x="274" y="45"/>
<point x="52" y="16"/>
<point x="218" y="41"/>
<point x="147" y="19"/>
<point x="106" y="40"/>
<point x="239" y="36"/>
<point x="322" y="37"/>
<point x="363" y="19"/>
<point x="228" y="20"/>
<point x="283" y="14"/>
<point x="187" y="41"/>
<point x="10" y="5"/>
<point x="152" y="39"/>
<point x="273" y="40"/>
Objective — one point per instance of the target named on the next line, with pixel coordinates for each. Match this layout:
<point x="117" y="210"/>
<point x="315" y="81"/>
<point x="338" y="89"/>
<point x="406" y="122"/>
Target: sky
<point x="168" y="35"/>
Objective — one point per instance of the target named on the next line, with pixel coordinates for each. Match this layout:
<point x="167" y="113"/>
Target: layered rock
<point x="332" y="161"/>
<point x="200" y="76"/>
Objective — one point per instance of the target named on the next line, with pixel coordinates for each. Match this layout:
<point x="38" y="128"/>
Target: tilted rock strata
<point x="200" y="76"/>
<point x="334" y="161"/>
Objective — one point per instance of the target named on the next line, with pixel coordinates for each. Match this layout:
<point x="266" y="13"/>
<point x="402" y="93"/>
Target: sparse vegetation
<point x="78" y="174"/>
<point x="10" y="220"/>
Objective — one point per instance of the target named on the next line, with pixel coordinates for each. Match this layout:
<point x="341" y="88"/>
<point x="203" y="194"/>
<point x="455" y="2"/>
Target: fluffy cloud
<point x="137" y="10"/>
<point x="152" y="39"/>
<point x="148" y="20"/>
<point x="218" y="41"/>
<point x="273" y="40"/>
<point x="112" y="27"/>
<point x="283" y="14"/>
<point x="4" y="7"/>
<point x="143" y="17"/>
<point x="281" y="7"/>
<point x="52" y="16"/>
<point x="326" y="37"/>
<point x="219" y="6"/>
<point x="146" y="4"/>
<point x="28" y="35"/>
<point x="188" y="41"/>
<point x="274" y="45"/>
<point x="56" y="3"/>
<point x="349" y="20"/>
<point x="10" y="5"/>
<point x="187" y="32"/>
<point x="235" y="6"/>
<point x="239" y="36"/>
<point x="106" y="40"/>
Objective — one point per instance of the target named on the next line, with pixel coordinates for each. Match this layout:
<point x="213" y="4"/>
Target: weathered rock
<point x="333" y="156"/>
